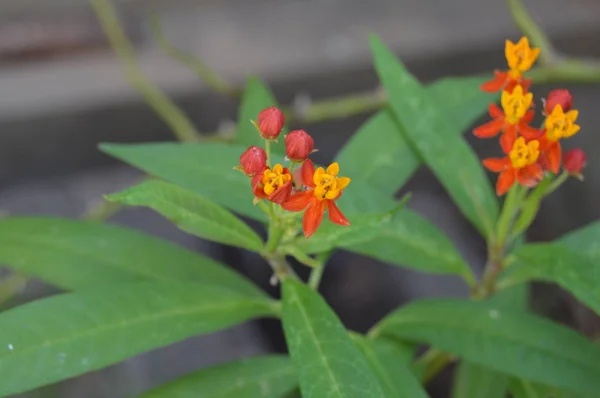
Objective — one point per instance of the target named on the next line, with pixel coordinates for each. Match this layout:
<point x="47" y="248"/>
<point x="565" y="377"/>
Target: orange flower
<point x="273" y="184"/>
<point x="558" y="125"/>
<point x="521" y="165"/>
<point x="512" y="119"/>
<point x="520" y="57"/>
<point x="325" y="187"/>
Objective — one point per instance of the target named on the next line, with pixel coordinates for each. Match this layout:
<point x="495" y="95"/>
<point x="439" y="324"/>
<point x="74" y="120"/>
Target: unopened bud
<point x="253" y="161"/>
<point x="298" y="145"/>
<point x="574" y="161"/>
<point x="558" y="97"/>
<point x="270" y="122"/>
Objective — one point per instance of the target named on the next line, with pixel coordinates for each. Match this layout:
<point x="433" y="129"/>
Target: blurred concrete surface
<point x="54" y="112"/>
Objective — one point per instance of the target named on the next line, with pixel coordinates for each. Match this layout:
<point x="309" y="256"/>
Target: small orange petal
<point x="508" y="138"/>
<point x="553" y="157"/>
<point x="496" y="84"/>
<point x="496" y="165"/>
<point x="299" y="201"/>
<point x="528" y="117"/>
<point x="489" y="129"/>
<point x="335" y="215"/>
<point x="495" y="111"/>
<point x="506" y="179"/>
<point x="281" y="194"/>
<point x="528" y="132"/>
<point x="531" y="175"/>
<point x="313" y="217"/>
<point x="308" y="170"/>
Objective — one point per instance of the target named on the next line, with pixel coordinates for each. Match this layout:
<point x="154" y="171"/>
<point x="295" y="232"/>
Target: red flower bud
<point x="574" y="161"/>
<point x="558" y="97"/>
<point x="298" y="145"/>
<point x="270" y="123"/>
<point x="253" y="161"/>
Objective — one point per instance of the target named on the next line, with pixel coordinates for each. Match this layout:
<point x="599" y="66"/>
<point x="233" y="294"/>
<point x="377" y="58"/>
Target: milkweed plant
<point x="129" y="293"/>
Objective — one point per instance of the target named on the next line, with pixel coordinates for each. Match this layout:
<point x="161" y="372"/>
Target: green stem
<point x="531" y="29"/>
<point x="169" y="112"/>
<point x="314" y="280"/>
<point x="558" y="181"/>
<point x="275" y="235"/>
<point x="430" y="364"/>
<point x="509" y="210"/>
<point x="212" y="79"/>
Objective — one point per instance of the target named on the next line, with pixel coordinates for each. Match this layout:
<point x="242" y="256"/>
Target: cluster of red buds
<point x="308" y="189"/>
<point x="530" y="152"/>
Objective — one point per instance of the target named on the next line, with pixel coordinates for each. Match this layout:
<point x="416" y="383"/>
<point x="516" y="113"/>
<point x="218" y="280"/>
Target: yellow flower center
<point x="524" y="154"/>
<point x="520" y="57"/>
<point x="515" y="104"/>
<point x="561" y="125"/>
<point x="273" y="179"/>
<point x="327" y="184"/>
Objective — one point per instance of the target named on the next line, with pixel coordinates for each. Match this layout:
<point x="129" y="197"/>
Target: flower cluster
<point x="308" y="189"/>
<point x="530" y="152"/>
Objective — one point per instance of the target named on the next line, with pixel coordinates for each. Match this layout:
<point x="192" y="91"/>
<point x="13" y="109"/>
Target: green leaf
<point x="555" y="262"/>
<point x="476" y="381"/>
<point x="388" y="361"/>
<point x="326" y="361"/>
<point x="426" y="127"/>
<point x="256" y="97"/>
<point x="512" y="342"/>
<point x="77" y="255"/>
<point x="261" y="377"/>
<point x="70" y="334"/>
<point x="395" y="161"/>
<point x="412" y="241"/>
<point x="204" y="168"/>
<point x="191" y="212"/>
<point x="584" y="241"/>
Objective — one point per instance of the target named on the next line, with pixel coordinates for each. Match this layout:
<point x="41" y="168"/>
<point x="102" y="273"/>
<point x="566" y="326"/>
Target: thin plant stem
<point x="212" y="79"/>
<point x="169" y="112"/>
<point x="531" y="29"/>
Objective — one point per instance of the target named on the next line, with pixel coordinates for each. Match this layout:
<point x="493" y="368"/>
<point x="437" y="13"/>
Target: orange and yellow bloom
<point x="513" y="119"/>
<point x="558" y="125"/>
<point x="274" y="184"/>
<point x="324" y="187"/>
<point x="520" y="57"/>
<point x="520" y="165"/>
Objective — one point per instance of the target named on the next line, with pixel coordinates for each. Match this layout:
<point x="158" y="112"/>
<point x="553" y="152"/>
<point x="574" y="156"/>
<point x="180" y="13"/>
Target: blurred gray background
<point x="62" y="92"/>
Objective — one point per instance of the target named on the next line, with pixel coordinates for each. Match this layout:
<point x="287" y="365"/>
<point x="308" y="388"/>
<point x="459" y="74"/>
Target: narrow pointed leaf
<point x="584" y="241"/>
<point x="387" y="360"/>
<point x="256" y="97"/>
<point x="66" y="335"/>
<point x="555" y="262"/>
<point x="191" y="212"/>
<point x="476" y="381"/>
<point x="260" y="377"/>
<point x="436" y="140"/>
<point x="76" y="255"/>
<point x="512" y="342"/>
<point x="326" y="361"/>
<point x="395" y="160"/>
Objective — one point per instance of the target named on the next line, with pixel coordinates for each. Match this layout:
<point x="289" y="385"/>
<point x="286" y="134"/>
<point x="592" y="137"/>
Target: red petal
<point x="529" y="133"/>
<point x="545" y="143"/>
<point x="256" y="188"/>
<point x="281" y="194"/>
<point x="508" y="138"/>
<point x="528" y="117"/>
<point x="531" y="175"/>
<point x="496" y="165"/>
<point x="495" y="111"/>
<point x="506" y="179"/>
<point x="489" y="129"/>
<point x="308" y="171"/>
<point x="553" y="157"/>
<point x="496" y="84"/>
<point x="299" y="201"/>
<point x="335" y="215"/>
<point x="313" y="216"/>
